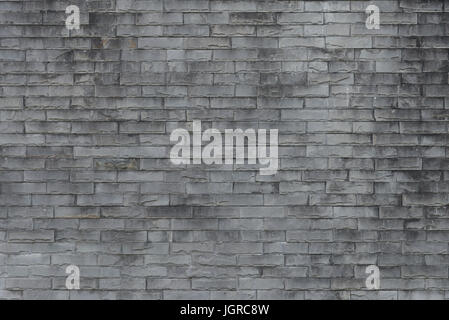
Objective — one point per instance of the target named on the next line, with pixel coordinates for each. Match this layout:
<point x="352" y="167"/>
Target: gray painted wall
<point x="86" y="179"/>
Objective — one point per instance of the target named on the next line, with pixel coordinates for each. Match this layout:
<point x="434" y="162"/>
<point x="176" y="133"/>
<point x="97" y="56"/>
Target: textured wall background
<point x="85" y="178"/>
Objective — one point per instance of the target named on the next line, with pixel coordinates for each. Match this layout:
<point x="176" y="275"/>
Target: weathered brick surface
<point x="85" y="175"/>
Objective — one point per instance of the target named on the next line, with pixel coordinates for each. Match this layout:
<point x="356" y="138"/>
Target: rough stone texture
<point x="85" y="179"/>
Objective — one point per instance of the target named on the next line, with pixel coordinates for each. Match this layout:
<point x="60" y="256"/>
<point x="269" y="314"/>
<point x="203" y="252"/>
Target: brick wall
<point x="86" y="178"/>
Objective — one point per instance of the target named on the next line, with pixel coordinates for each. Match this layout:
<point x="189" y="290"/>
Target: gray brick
<point x="31" y="236"/>
<point x="86" y="179"/>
